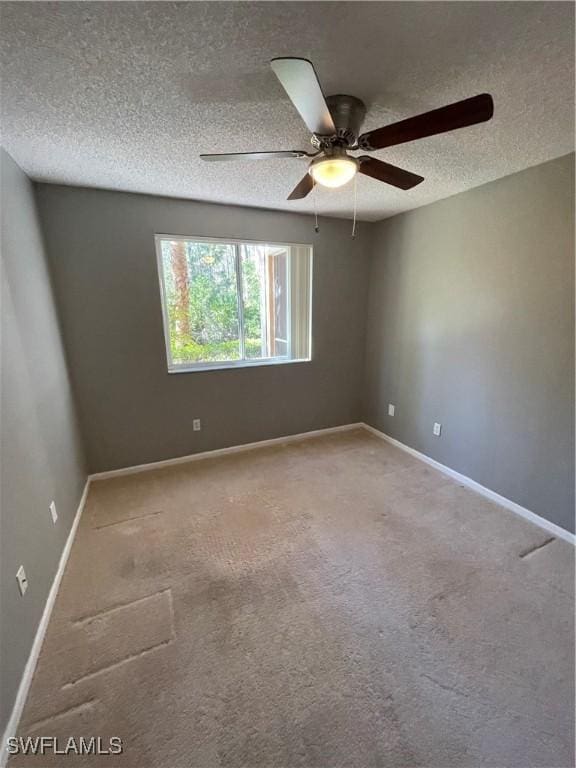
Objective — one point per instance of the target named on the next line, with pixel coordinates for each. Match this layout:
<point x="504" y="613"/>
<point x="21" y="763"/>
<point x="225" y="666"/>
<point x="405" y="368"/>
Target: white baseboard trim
<point x="24" y="687"/>
<point x="532" y="517"/>
<point x="223" y="452"/>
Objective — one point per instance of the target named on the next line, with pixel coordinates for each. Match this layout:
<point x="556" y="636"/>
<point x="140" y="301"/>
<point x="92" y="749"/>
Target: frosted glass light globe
<point x="334" y="171"/>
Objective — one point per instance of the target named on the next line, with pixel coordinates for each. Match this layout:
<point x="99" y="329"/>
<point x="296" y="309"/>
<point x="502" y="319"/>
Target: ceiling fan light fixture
<point x="335" y="123"/>
<point x="333" y="171"/>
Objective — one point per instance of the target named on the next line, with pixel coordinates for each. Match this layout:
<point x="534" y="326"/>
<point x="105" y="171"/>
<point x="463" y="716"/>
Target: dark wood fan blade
<point x="303" y="188"/>
<point x="300" y="81"/>
<point x="256" y="155"/>
<point x="478" y="109"/>
<point x="390" y="174"/>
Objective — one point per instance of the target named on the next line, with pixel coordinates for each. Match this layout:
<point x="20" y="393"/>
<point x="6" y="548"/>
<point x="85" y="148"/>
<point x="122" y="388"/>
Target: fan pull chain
<point x="355" y="208"/>
<point x="314" y="193"/>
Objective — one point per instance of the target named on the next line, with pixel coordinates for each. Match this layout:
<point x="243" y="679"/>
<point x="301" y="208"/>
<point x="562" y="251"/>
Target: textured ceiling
<point x="126" y="95"/>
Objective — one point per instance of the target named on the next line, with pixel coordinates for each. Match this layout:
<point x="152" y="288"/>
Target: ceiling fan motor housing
<point x="348" y="114"/>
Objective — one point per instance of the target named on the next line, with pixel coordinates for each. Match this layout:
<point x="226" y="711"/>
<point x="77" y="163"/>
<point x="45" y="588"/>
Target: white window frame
<point x="242" y="363"/>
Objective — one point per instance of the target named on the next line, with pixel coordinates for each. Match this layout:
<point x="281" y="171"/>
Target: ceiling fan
<point x="335" y="123"/>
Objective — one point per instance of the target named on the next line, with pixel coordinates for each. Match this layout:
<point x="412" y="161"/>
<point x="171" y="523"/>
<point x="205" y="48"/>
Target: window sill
<point x="231" y="366"/>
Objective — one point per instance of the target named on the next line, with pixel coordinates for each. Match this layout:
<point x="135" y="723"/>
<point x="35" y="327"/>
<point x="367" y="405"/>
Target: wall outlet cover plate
<point x="22" y="580"/>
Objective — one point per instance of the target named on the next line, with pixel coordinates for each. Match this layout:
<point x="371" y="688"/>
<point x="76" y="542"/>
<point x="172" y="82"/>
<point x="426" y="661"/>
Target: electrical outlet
<point x="22" y="580"/>
<point x="391" y="409"/>
<point x="196" y="425"/>
<point x="437" y="429"/>
<point x="53" y="512"/>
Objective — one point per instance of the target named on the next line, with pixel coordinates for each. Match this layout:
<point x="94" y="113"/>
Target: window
<point x="228" y="303"/>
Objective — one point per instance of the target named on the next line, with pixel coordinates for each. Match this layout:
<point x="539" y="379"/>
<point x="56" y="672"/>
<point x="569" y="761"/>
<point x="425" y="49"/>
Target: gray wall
<point x="471" y="324"/>
<point x="101" y="247"/>
<point x="42" y="458"/>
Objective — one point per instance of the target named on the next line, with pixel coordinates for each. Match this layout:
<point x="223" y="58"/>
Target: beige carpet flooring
<point x="321" y="604"/>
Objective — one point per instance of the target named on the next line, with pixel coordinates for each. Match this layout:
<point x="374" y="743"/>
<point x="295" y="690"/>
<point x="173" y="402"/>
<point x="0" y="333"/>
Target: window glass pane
<point x="253" y="264"/>
<point x="201" y="301"/>
<point x="300" y="284"/>
<point x="279" y="299"/>
<point x="235" y="303"/>
<point x="265" y="301"/>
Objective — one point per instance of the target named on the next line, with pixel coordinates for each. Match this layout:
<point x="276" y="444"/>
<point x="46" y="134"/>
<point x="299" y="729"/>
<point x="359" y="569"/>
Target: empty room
<point x="287" y="385"/>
